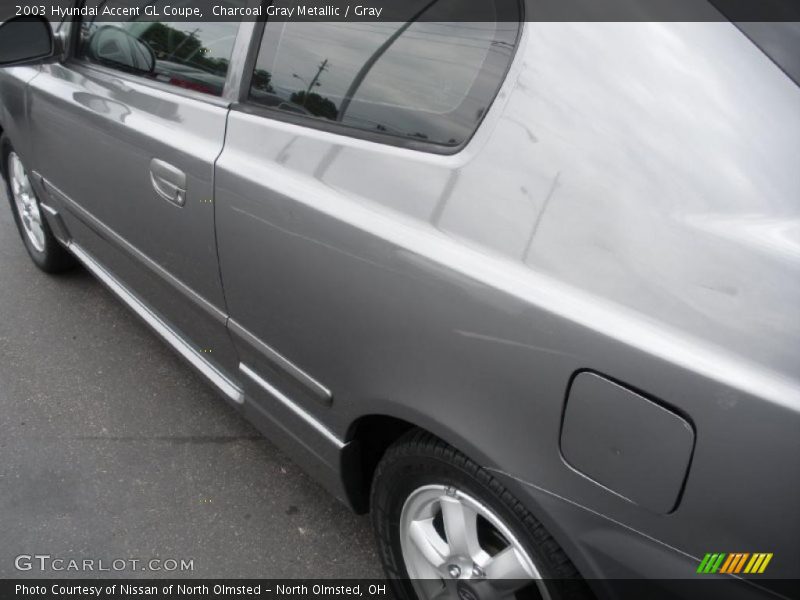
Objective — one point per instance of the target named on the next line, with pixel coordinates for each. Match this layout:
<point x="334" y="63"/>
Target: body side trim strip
<point x="114" y="238"/>
<point x="225" y="385"/>
<point x="292" y="406"/>
<point x="56" y="223"/>
<point x="319" y="391"/>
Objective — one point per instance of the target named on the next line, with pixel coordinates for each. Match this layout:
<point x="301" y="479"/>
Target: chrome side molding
<point x="111" y="236"/>
<point x="197" y="360"/>
<point x="56" y="223"/>
<point x="318" y="391"/>
<point x="292" y="406"/>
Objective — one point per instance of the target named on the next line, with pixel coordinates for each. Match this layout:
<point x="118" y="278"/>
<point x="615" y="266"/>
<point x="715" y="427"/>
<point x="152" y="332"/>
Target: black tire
<point x="53" y="258"/>
<point x="420" y="459"/>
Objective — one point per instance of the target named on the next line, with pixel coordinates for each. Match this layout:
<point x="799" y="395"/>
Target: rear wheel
<point x="447" y="528"/>
<point x="45" y="250"/>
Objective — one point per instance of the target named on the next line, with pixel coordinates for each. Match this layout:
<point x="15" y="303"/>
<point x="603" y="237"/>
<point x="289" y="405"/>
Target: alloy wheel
<point x="456" y="547"/>
<point x="25" y="199"/>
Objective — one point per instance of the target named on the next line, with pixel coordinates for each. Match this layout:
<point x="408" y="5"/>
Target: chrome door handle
<point x="168" y="181"/>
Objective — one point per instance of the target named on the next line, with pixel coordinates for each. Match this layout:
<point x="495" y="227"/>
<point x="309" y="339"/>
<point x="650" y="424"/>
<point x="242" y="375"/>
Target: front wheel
<point x="43" y="248"/>
<point x="447" y="528"/>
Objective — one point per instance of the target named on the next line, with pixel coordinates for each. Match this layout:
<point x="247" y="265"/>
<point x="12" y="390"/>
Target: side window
<point x="421" y="80"/>
<point x="192" y="56"/>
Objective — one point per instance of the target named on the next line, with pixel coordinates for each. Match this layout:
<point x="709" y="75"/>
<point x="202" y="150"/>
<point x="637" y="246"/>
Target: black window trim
<point x="246" y="106"/>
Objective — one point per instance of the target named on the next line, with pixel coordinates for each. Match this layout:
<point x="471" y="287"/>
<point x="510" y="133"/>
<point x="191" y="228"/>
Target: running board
<point x="197" y="360"/>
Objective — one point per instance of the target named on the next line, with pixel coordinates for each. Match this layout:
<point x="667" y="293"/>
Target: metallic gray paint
<point x="197" y="360"/>
<point x="625" y="442"/>
<point x="629" y="205"/>
<point x="320" y="393"/>
<point x="118" y="120"/>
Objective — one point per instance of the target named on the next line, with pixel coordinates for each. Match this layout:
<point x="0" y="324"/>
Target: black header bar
<point x="398" y="10"/>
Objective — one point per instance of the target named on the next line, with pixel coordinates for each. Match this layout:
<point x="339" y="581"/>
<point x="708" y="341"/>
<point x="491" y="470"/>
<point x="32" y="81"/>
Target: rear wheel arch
<point x="373" y="435"/>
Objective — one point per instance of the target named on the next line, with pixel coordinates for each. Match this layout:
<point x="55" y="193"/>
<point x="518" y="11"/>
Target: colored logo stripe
<point x="703" y="563"/>
<point x="734" y="563"/>
<point x="758" y="563"/>
<point x="711" y="563"/>
<point x="730" y="561"/>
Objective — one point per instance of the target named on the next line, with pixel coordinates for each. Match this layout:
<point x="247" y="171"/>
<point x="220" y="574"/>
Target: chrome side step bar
<point x="197" y="360"/>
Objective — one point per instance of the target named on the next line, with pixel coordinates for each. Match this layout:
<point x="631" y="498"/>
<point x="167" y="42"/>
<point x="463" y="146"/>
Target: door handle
<point x="168" y="181"/>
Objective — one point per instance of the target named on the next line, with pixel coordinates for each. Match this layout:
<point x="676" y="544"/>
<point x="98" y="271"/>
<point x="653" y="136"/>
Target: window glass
<point x="425" y="79"/>
<point x="192" y="56"/>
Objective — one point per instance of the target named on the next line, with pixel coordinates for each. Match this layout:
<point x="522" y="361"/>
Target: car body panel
<point x="14" y="106"/>
<point x="165" y="252"/>
<point x="565" y="237"/>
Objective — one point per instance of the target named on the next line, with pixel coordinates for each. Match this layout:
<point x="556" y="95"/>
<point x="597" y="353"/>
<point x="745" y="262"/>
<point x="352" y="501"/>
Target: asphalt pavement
<point x="112" y="449"/>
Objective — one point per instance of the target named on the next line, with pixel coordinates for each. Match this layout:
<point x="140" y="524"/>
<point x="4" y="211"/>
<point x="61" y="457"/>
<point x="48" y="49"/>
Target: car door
<point x="346" y="136"/>
<point x="126" y="132"/>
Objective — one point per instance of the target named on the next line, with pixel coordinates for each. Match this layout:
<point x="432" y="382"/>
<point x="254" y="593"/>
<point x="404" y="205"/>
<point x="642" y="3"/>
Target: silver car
<point x="529" y="293"/>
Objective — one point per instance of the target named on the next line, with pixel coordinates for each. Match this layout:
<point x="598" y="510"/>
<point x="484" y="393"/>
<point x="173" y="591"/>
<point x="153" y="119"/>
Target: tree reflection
<point x="185" y="47"/>
<point x="196" y="59"/>
<point x="317" y="105"/>
<point x="262" y="80"/>
<point x="423" y="80"/>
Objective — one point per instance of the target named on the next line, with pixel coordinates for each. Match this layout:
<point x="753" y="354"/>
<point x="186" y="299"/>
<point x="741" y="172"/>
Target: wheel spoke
<point x="507" y="565"/>
<point x="461" y="527"/>
<point x="16" y="175"/>
<point x="26" y="204"/>
<point x="443" y="552"/>
<point x="428" y="542"/>
<point x="38" y="232"/>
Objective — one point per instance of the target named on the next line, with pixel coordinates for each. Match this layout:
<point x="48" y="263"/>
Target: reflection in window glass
<point x="429" y="81"/>
<point x="192" y="56"/>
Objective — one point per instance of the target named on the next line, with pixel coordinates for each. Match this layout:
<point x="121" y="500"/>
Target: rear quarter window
<point x="424" y="80"/>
